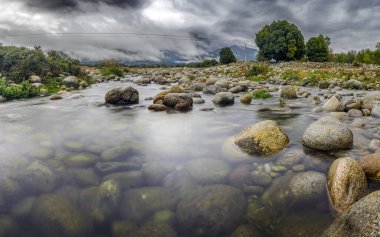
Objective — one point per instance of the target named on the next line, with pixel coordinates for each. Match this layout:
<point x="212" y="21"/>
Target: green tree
<point x="226" y="56"/>
<point x="317" y="49"/>
<point x="280" y="40"/>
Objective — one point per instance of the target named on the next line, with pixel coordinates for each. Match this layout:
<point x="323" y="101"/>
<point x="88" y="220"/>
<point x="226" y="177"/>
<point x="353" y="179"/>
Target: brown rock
<point x="371" y="165"/>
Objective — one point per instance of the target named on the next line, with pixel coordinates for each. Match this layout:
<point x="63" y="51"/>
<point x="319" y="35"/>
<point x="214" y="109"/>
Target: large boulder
<point x="127" y="95"/>
<point x="371" y="166"/>
<point x="361" y="219"/>
<point x="333" y="105"/>
<point x="262" y="138"/>
<point x="179" y="101"/>
<point x="212" y="211"/>
<point x="53" y="215"/>
<point x="35" y="79"/>
<point x="71" y="81"/>
<point x="328" y="133"/>
<point x="223" y="98"/>
<point x="288" y="92"/>
<point x="346" y="184"/>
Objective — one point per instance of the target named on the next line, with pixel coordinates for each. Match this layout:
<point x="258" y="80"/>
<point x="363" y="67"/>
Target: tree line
<point x="283" y="41"/>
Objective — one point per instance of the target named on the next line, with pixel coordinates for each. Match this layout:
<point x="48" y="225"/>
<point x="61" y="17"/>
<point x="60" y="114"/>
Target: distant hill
<point x="173" y="57"/>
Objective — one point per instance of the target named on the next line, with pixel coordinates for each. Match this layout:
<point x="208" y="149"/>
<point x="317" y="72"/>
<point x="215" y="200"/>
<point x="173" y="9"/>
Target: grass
<point x="261" y="94"/>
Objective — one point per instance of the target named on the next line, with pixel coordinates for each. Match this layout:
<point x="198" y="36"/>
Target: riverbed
<point x="102" y="170"/>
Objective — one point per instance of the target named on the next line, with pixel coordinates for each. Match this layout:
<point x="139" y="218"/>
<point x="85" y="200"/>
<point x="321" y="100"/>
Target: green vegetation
<point x="205" y="63"/>
<point x="226" y="56"/>
<point x="19" y="63"/>
<point x="280" y="40"/>
<point x="317" y="49"/>
<point x="111" y="68"/>
<point x="259" y="69"/>
<point x="261" y="94"/>
<point x="366" y="56"/>
<point x="14" y="91"/>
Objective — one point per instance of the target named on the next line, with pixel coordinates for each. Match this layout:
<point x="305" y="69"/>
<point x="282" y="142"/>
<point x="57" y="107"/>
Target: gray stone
<point x="333" y="105"/>
<point x="288" y="92"/>
<point x="376" y="111"/>
<point x="71" y="81"/>
<point x="223" y="98"/>
<point x="207" y="171"/>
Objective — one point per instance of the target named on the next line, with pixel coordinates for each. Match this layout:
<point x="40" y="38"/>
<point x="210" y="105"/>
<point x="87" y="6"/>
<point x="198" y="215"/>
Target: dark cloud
<point x="202" y="25"/>
<point x="76" y="5"/>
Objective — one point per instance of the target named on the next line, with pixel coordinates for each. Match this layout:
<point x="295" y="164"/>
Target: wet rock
<point x="291" y="158"/>
<point x="85" y="177"/>
<point x="354" y="84"/>
<point x="374" y="145"/>
<point x="127" y="95"/>
<point x="39" y="178"/>
<point x="262" y="138"/>
<point x="223" y="99"/>
<point x="155" y="171"/>
<point x="246" y="99"/>
<point x="333" y="105"/>
<point x="308" y="187"/>
<point x="124" y="229"/>
<point x="346" y="184"/>
<point x="355" y="113"/>
<point x="71" y="81"/>
<point x="328" y="134"/>
<point x="308" y="223"/>
<point x="236" y="89"/>
<point x="371" y="99"/>
<point x="288" y="92"/>
<point x="127" y="180"/>
<point x="207" y="171"/>
<point x="241" y="176"/>
<point x="198" y="101"/>
<point x="376" y="111"/>
<point x="246" y="231"/>
<point x="23" y="208"/>
<point x="353" y="104"/>
<point x="180" y="102"/>
<point x="157" y="107"/>
<point x="164" y="217"/>
<point x="212" y="90"/>
<point x="112" y="167"/>
<point x="2" y="99"/>
<point x="261" y="178"/>
<point x="140" y="203"/>
<point x="214" y="210"/>
<point x="10" y="189"/>
<point x="55" y="97"/>
<point x="361" y="219"/>
<point x="176" y="89"/>
<point x="80" y="160"/>
<point x="53" y="215"/>
<point x="157" y="230"/>
<point x="371" y="165"/>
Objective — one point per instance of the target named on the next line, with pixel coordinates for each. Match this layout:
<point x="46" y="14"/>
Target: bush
<point x="259" y="69"/>
<point x="205" y="63"/>
<point x="111" y="67"/>
<point x="261" y="94"/>
<point x="317" y="49"/>
<point x="226" y="56"/>
<point x="15" y="91"/>
<point x="280" y="40"/>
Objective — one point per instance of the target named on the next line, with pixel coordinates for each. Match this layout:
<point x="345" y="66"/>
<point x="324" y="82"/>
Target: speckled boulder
<point x="262" y="138"/>
<point x="327" y="134"/>
<point x="361" y="219"/>
<point x="371" y="165"/>
<point x="346" y="184"/>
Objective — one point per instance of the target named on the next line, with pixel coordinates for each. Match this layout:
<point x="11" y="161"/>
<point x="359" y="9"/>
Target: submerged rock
<point x="361" y="219"/>
<point x="157" y="230"/>
<point x="246" y="231"/>
<point x="213" y="210"/>
<point x="262" y="138"/>
<point x="207" y="171"/>
<point x="53" y="215"/>
<point x="327" y="134"/>
<point x="346" y="184"/>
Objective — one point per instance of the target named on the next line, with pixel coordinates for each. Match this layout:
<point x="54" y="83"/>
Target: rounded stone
<point x="288" y="92"/>
<point x="224" y="98"/>
<point x="207" y="171"/>
<point x="262" y="138"/>
<point x="346" y="184"/>
<point x="371" y="165"/>
<point x="333" y="105"/>
<point x="328" y="134"/>
<point x="80" y="160"/>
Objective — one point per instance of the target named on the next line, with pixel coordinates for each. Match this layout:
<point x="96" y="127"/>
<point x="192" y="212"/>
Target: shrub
<point x="17" y="91"/>
<point x="111" y="67"/>
<point x="259" y="69"/>
<point x="226" y="56"/>
<point x="261" y="94"/>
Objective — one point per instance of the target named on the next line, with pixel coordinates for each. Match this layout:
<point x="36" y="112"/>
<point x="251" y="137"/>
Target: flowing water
<point x="77" y="167"/>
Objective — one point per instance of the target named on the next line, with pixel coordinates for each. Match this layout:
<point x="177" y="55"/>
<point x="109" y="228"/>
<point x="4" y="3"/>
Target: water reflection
<point x="77" y="167"/>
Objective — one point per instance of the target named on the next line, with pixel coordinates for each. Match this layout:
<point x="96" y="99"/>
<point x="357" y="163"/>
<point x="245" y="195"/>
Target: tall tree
<point x="317" y="49"/>
<point x="226" y="56"/>
<point x="280" y="40"/>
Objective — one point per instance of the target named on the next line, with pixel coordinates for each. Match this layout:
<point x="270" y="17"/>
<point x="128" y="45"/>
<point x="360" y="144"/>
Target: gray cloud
<point x="194" y="27"/>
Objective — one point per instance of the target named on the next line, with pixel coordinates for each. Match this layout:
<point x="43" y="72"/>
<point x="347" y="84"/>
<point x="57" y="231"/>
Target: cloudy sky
<point x="144" y="29"/>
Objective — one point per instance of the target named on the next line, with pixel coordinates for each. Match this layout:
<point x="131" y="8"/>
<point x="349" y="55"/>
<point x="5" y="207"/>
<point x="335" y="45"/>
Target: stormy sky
<point x="144" y="29"/>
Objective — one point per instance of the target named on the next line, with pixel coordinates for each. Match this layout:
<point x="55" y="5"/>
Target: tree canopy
<point x="281" y="40"/>
<point x="226" y="56"/>
<point x="317" y="49"/>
